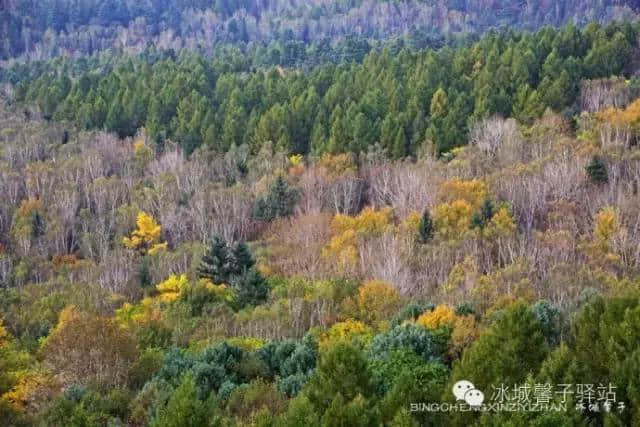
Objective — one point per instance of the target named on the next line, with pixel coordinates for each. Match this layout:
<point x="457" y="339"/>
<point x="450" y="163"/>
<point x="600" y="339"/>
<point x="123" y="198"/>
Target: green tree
<point x="425" y="227"/>
<point x="597" y="171"/>
<point x="279" y="201"/>
<point x="215" y="264"/>
<point x="184" y="408"/>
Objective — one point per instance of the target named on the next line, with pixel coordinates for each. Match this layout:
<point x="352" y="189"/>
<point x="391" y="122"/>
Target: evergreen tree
<point x="215" y="264"/>
<point x="184" y="408"/>
<point x="144" y="273"/>
<point x="425" y="227"/>
<point x="279" y="202"/>
<point x="250" y="288"/>
<point x="241" y="260"/>
<point x="481" y="219"/>
<point x="597" y="171"/>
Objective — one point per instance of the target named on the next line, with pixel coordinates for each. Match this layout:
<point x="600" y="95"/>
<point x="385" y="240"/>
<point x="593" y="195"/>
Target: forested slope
<point x="403" y="103"/>
<point x="212" y="240"/>
<point x="128" y="295"/>
<point x="43" y="29"/>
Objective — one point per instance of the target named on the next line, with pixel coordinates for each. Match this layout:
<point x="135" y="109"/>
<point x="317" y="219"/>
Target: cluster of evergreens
<point x="406" y="103"/>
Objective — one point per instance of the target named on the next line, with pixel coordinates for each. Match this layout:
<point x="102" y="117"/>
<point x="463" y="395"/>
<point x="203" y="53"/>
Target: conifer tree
<point x="425" y="227"/>
<point x="597" y="171"/>
<point x="241" y="260"/>
<point x="215" y="264"/>
<point x="279" y="202"/>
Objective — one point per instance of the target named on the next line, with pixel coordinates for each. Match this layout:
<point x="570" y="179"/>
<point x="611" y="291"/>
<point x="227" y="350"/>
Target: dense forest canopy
<point x="404" y="103"/>
<point x="41" y="29"/>
<point x="285" y="213"/>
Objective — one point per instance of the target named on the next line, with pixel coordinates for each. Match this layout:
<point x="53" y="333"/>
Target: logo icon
<point x="465" y="390"/>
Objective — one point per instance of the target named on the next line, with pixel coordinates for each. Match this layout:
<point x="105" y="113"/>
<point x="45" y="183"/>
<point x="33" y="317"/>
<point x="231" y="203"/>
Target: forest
<point x="40" y="29"/>
<point x="220" y="237"/>
<point x="402" y="102"/>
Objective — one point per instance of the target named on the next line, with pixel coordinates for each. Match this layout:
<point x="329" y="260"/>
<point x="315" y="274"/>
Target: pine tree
<point x="279" y="202"/>
<point x="241" y="259"/>
<point x="481" y="219"/>
<point x="183" y="407"/>
<point x="215" y="264"/>
<point x="144" y="273"/>
<point x="425" y="227"/>
<point x="251" y="289"/>
<point x="597" y="171"/>
<point x="400" y="145"/>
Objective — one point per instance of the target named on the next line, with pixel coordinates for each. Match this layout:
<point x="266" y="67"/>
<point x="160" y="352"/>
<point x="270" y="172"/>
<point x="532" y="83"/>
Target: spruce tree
<point x="144" y="273"/>
<point x="597" y="171"/>
<point x="250" y="288"/>
<point x="425" y="227"/>
<point x="241" y="259"/>
<point x="481" y="219"/>
<point x="279" y="202"/>
<point x="215" y="264"/>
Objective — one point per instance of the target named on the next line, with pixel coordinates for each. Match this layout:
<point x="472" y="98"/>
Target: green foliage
<point x="425" y="227"/>
<point x="215" y="264"/>
<point x="184" y="408"/>
<point x="342" y="375"/>
<point x="597" y="170"/>
<point x="429" y="345"/>
<point x="144" y="273"/>
<point x="279" y="201"/>
<point x="409" y="103"/>
<point x="292" y="362"/>
<point x="519" y="334"/>
<point x="411" y="311"/>
<point x="481" y="219"/>
<point x="231" y="266"/>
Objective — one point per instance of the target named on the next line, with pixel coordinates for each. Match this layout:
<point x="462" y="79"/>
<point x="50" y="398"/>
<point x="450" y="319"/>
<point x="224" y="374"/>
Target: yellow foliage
<point x="28" y="206"/>
<point x="452" y="220"/>
<point x="337" y="165"/>
<point x="146" y="238"/>
<point x="442" y="315"/>
<point x="4" y="335"/>
<point x="346" y="330"/>
<point x="25" y="391"/>
<point x="347" y="230"/>
<point x="247" y="343"/>
<point x="630" y="116"/>
<point x="474" y="191"/>
<point x="411" y="224"/>
<point x="376" y="301"/>
<point x="295" y="160"/>
<point x="502" y="223"/>
<point x="138" y="146"/>
<point x="464" y="333"/>
<point x="462" y="278"/>
<point x="170" y="289"/>
<point x="369" y="221"/>
<point x="464" y="329"/>
<point x="68" y="314"/>
<point x="606" y="227"/>
<point x="143" y="153"/>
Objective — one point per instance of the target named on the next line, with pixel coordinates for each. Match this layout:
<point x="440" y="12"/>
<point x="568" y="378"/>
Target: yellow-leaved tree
<point x="146" y="237"/>
<point x="602" y="249"/>
<point x="375" y="303"/>
<point x="349" y="230"/>
<point x="464" y="328"/>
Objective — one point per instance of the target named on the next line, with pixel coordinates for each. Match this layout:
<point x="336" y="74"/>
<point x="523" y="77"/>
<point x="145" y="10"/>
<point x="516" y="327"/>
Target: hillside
<point x="403" y="103"/>
<point x="353" y="223"/>
<point x="367" y="283"/>
<point x="41" y="29"/>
